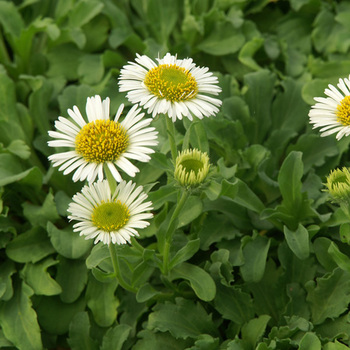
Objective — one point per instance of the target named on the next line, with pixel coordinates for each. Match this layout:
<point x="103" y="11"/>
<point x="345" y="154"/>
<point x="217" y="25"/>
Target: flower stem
<point x="171" y="135"/>
<point x="170" y="231"/>
<point x="116" y="267"/>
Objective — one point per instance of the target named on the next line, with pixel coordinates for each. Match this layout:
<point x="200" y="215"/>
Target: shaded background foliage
<point x="260" y="258"/>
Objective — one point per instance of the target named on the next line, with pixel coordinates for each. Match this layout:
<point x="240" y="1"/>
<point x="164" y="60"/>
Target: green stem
<point x="171" y="230"/>
<point x="4" y="56"/>
<point x="116" y="267"/>
<point x="111" y="180"/>
<point x="171" y="135"/>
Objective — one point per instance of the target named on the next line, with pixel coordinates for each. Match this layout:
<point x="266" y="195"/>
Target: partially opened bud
<point x="338" y="185"/>
<point x="191" y="168"/>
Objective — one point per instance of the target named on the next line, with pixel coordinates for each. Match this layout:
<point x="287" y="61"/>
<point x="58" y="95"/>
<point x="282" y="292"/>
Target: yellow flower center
<point x="343" y="111"/>
<point x="171" y="82"/>
<point x="101" y="141"/>
<point x="110" y="216"/>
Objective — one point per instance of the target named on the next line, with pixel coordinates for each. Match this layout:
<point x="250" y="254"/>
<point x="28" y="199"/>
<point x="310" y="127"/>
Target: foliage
<point x="260" y="258"/>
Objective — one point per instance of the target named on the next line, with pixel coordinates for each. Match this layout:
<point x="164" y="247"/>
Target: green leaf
<point x="255" y="255"/>
<point x="91" y="69"/>
<point x="160" y="341"/>
<point x="310" y="341"/>
<point x="39" y="279"/>
<point x="185" y="253"/>
<point x="30" y="246"/>
<point x="247" y="52"/>
<point x="115" y="337"/>
<point x="205" y="342"/>
<point x="241" y="194"/>
<point x="19" y="149"/>
<point x="19" y="322"/>
<point x="340" y="259"/>
<point x="298" y="241"/>
<point x="183" y="319"/>
<point x="234" y="304"/>
<point x="11" y="19"/>
<point x="200" y="281"/>
<point x="7" y="269"/>
<point x="259" y="97"/>
<point x="102" y="301"/>
<point x="79" y="333"/>
<point x="83" y="12"/>
<point x="68" y="243"/>
<point x="330" y="297"/>
<point x="55" y="316"/>
<point x="254" y="330"/>
<point x="197" y="136"/>
<point x="191" y="210"/>
<point x="71" y="270"/>
<point x="224" y="39"/>
<point x="11" y="169"/>
<point x="335" y="346"/>
<point x="40" y="215"/>
<point x="162" y="17"/>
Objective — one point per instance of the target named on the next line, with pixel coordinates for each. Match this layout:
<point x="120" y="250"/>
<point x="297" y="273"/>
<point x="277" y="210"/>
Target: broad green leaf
<point x="68" y="243"/>
<point x="298" y="241"/>
<point x="234" y="304"/>
<point x="334" y="329"/>
<point x="241" y="194"/>
<point x="224" y="39"/>
<point x="191" y="210"/>
<point x="71" y="270"/>
<point x="330" y="297"/>
<point x="185" y="253"/>
<point x="91" y="69"/>
<point x="255" y="255"/>
<point x="145" y="292"/>
<point x="289" y="109"/>
<point x="102" y="302"/>
<point x="200" y="281"/>
<point x="39" y="279"/>
<point x="41" y="215"/>
<point x="163" y="194"/>
<point x="289" y="179"/>
<point x="160" y="341"/>
<point x="205" y="342"/>
<point x="342" y="260"/>
<point x="11" y="169"/>
<point x="11" y="19"/>
<point x="55" y="316"/>
<point x="39" y="101"/>
<point x="259" y="96"/>
<point x="79" y="333"/>
<point x="247" y="52"/>
<point x="30" y="246"/>
<point x="19" y="149"/>
<point x="83" y="12"/>
<point x="183" y="319"/>
<point x="7" y="269"/>
<point x="254" y="330"/>
<point x="19" y="321"/>
<point x="316" y="150"/>
<point x="321" y="246"/>
<point x="198" y="136"/>
<point x="162" y="17"/>
<point x="115" y="337"/>
<point x="335" y="346"/>
<point x="310" y="341"/>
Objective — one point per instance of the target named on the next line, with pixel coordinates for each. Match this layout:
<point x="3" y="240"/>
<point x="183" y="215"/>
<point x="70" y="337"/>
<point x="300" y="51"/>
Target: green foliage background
<point x="260" y="260"/>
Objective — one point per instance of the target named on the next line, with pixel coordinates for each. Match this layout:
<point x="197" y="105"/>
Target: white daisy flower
<point x="102" y="141"/>
<point x="174" y="87"/>
<point x="332" y="113"/>
<point x="110" y="218"/>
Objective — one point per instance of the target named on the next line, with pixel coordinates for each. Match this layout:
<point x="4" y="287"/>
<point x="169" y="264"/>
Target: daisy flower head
<point x="171" y="86"/>
<point x="110" y="217"/>
<point x="101" y="141"/>
<point x="332" y="113"/>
